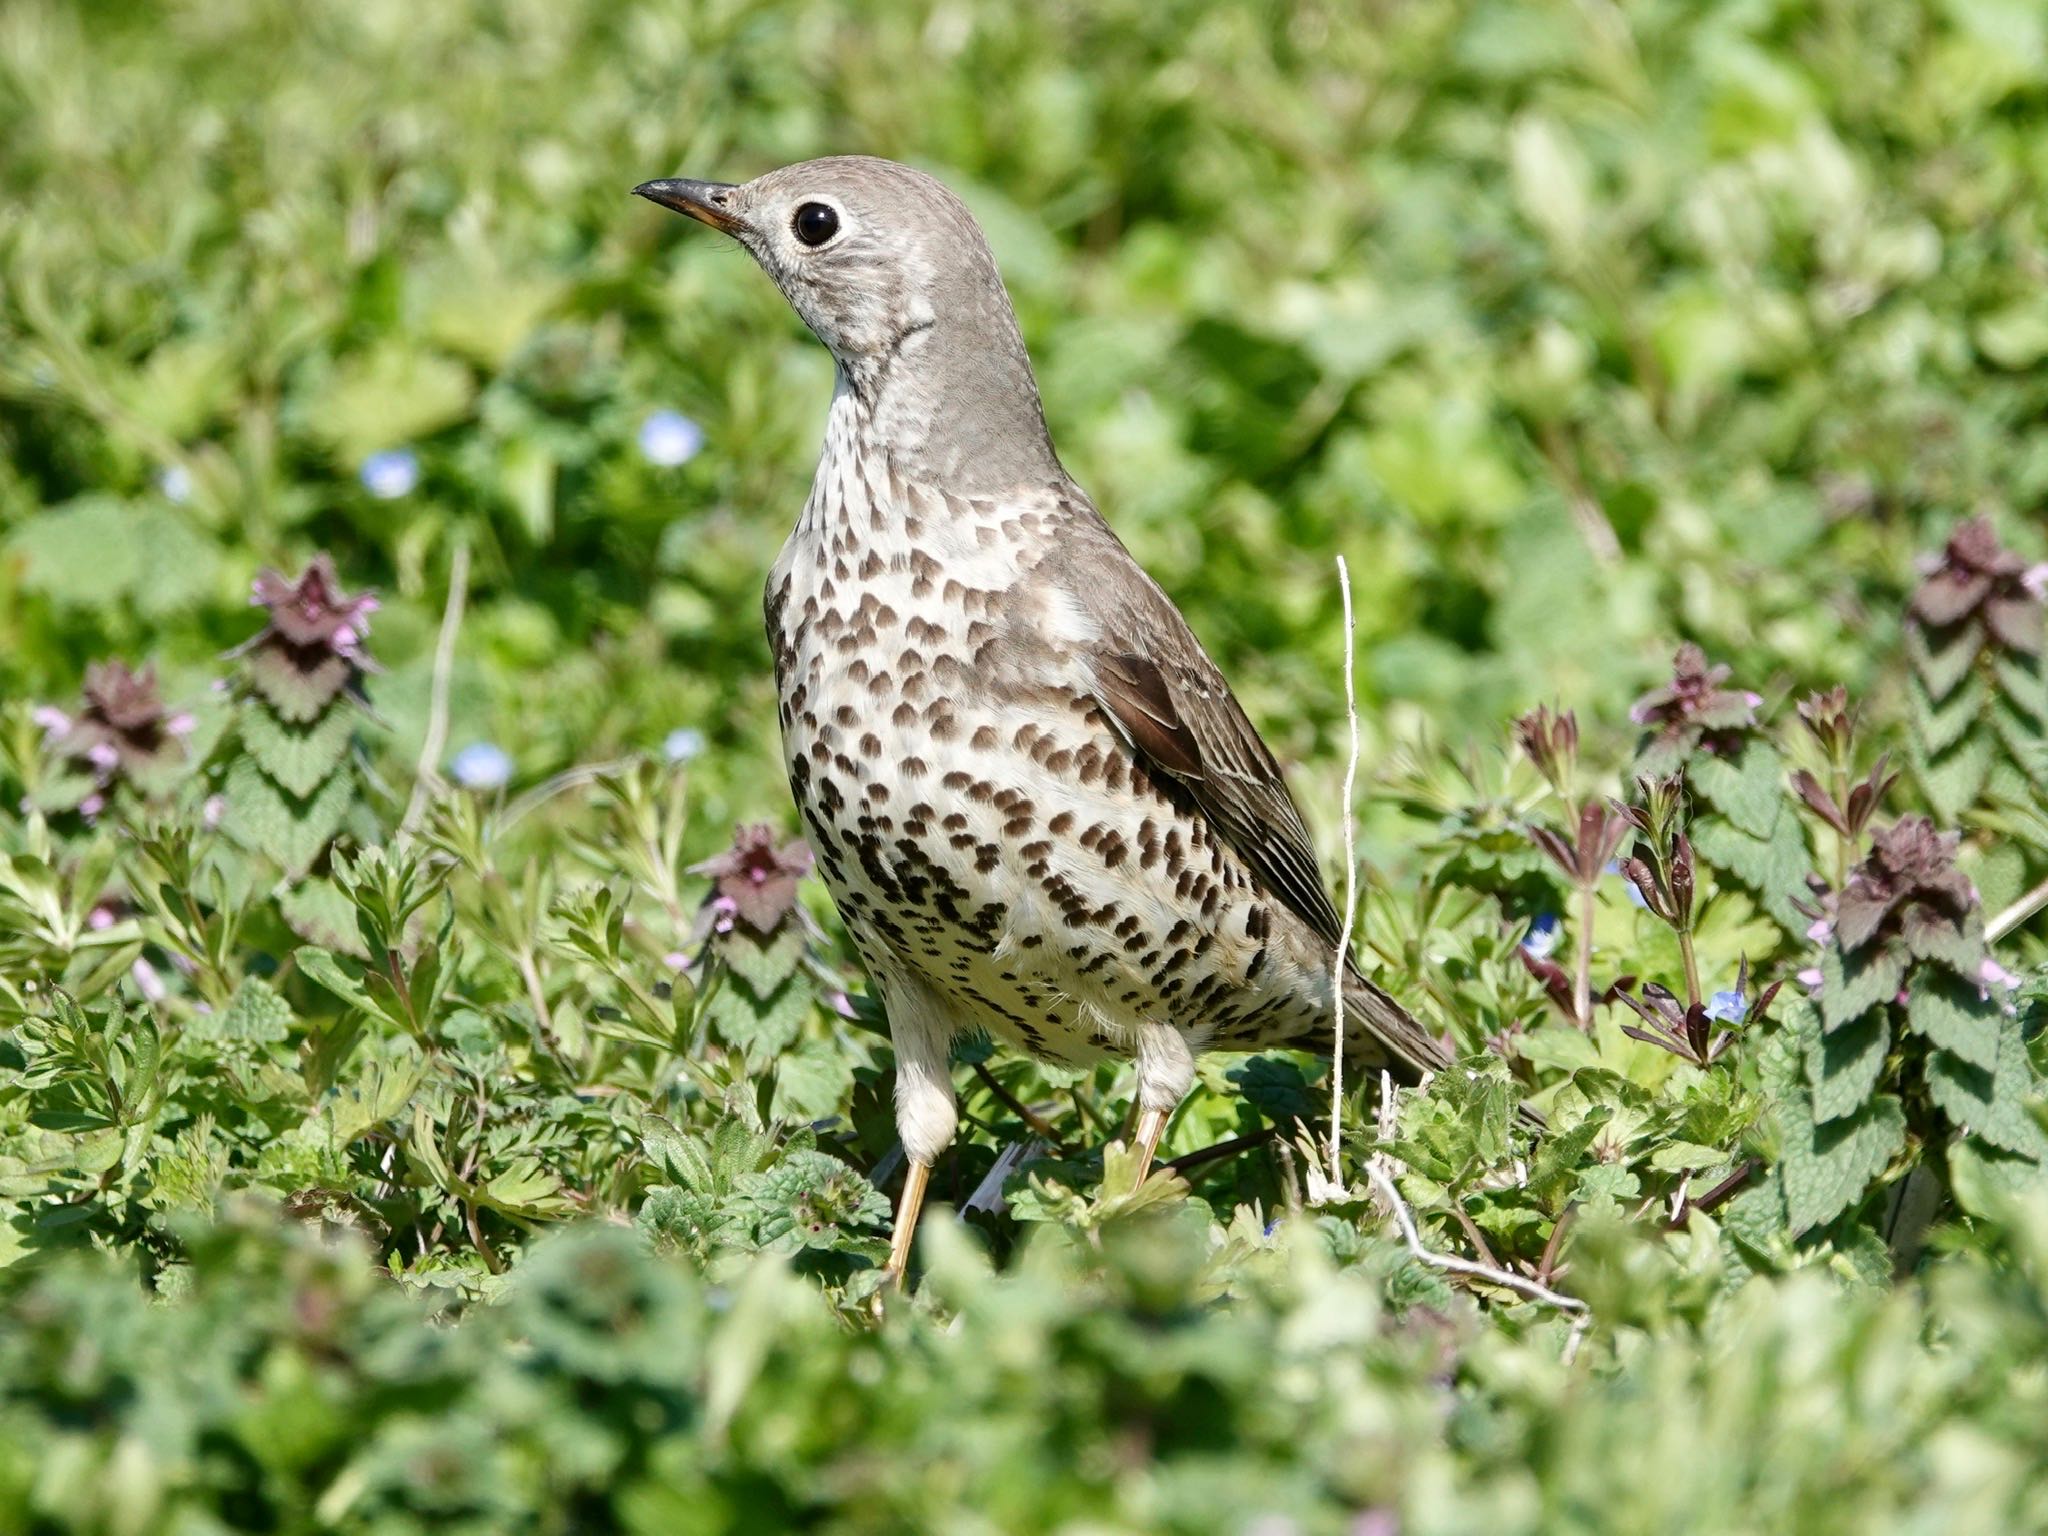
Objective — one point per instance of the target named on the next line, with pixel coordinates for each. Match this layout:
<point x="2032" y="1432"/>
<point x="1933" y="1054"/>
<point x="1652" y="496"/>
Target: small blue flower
<point x="669" y="438"/>
<point x="175" y="481"/>
<point x="482" y="765"/>
<point x="682" y="744"/>
<point x="1544" y="932"/>
<point x="390" y="474"/>
<point x="1728" y="1007"/>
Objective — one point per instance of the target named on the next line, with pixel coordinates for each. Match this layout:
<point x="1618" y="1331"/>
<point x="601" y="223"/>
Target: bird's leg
<point x="915" y="1177"/>
<point x="925" y="1111"/>
<point x="1151" y="1126"/>
<point x="1166" y="1070"/>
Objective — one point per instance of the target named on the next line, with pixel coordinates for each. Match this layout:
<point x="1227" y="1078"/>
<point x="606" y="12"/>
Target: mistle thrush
<point x="1034" y="798"/>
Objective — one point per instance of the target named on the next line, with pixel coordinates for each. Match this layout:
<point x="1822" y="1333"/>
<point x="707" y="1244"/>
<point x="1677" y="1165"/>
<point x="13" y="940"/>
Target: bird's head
<point x="890" y="271"/>
<point x="863" y="249"/>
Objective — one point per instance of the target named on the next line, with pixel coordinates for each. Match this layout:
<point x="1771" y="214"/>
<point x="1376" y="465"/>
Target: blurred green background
<point x="1575" y="327"/>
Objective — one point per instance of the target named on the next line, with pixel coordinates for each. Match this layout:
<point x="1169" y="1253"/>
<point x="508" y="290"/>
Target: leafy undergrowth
<point x="435" y="1096"/>
<point x="322" y="1071"/>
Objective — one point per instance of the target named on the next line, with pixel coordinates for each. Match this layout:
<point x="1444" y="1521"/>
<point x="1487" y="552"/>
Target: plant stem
<point x="2004" y="923"/>
<point x="1582" y="982"/>
<point x="1692" y="966"/>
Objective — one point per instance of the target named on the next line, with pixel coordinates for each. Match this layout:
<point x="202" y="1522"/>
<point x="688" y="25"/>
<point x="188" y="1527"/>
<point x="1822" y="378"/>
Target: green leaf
<point x="99" y="552"/>
<point x="1938" y="726"/>
<point x="811" y="1081"/>
<point x="1851" y="985"/>
<point x="1276" y="1087"/>
<point x="256" y="1013"/>
<point x="1828" y="1168"/>
<point x="298" y="756"/>
<point x="264" y="819"/>
<point x="1939" y="661"/>
<point x="1774" y="868"/>
<point x="395" y="393"/>
<point x="526" y="1188"/>
<point x="1750" y="791"/>
<point x="1953" y="780"/>
<point x="1844" y="1066"/>
<point x="1955" y="1016"/>
<point x="761" y="1027"/>
<point x="1992" y="1104"/>
<point x="763" y="965"/>
<point x="343" y="978"/>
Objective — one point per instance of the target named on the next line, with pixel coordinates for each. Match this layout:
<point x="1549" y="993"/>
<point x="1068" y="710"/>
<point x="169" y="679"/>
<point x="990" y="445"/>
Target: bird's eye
<point x="816" y="223"/>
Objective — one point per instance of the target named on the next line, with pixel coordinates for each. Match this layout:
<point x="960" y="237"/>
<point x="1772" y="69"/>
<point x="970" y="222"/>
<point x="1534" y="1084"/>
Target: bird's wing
<point x="1169" y="701"/>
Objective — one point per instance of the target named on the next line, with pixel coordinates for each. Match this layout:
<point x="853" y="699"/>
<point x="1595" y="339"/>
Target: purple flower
<point x="682" y="744"/>
<point x="390" y="474"/>
<point x="669" y="438"/>
<point x="482" y="765"/>
<point x="756" y="880"/>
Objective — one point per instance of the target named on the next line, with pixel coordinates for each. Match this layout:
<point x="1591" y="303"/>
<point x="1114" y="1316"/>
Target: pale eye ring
<point x="815" y="223"/>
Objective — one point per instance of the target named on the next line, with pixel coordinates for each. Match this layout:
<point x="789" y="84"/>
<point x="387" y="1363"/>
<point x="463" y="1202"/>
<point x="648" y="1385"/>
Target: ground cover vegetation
<point x="433" y="1093"/>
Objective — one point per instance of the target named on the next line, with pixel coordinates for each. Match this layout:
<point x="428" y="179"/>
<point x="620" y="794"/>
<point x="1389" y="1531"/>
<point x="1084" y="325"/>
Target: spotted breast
<point x="998" y="850"/>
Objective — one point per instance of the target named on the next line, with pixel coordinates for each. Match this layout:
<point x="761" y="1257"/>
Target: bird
<point x="1040" y="810"/>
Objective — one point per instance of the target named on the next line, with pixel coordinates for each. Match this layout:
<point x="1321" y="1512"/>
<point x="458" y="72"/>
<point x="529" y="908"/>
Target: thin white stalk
<point x="2004" y="923"/>
<point x="1339" y="964"/>
<point x="1446" y="1261"/>
<point x="427" y="774"/>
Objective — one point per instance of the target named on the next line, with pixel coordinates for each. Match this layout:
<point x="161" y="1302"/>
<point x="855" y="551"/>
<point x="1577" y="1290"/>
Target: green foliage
<point x="396" y="1144"/>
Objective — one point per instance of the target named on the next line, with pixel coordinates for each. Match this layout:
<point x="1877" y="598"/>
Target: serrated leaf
<point x="2025" y="739"/>
<point x="1992" y="1104"/>
<point x="1750" y="791"/>
<point x="2023" y="683"/>
<point x="1933" y="935"/>
<point x="1956" y="1017"/>
<point x="1937" y="726"/>
<point x="256" y="1013"/>
<point x="1940" y="665"/>
<point x="1774" y="869"/>
<point x="1953" y="780"/>
<point x="1852" y="985"/>
<point x="1844" y="1067"/>
<point x="298" y="756"/>
<point x="1554" y="1167"/>
<point x="764" y="967"/>
<point x="681" y="1155"/>
<point x="811" y="1081"/>
<point x="299" y="688"/>
<point x="1828" y="1168"/>
<point x="321" y="912"/>
<point x="761" y="1027"/>
<point x="1983" y="1177"/>
<point x="263" y="819"/>
<point x="1276" y="1087"/>
<point x="810" y="1199"/>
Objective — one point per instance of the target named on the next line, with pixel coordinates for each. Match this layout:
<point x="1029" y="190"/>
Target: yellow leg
<point x="1151" y="1126"/>
<point x="916" y="1176"/>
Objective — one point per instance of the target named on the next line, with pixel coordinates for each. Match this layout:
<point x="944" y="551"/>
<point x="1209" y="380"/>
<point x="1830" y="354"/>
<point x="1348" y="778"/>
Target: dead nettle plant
<point x="1977" y="691"/>
<point x="295" y="776"/>
<point x="1910" y="1053"/>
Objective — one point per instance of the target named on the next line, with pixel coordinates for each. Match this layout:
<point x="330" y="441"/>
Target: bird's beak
<point x="708" y="202"/>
